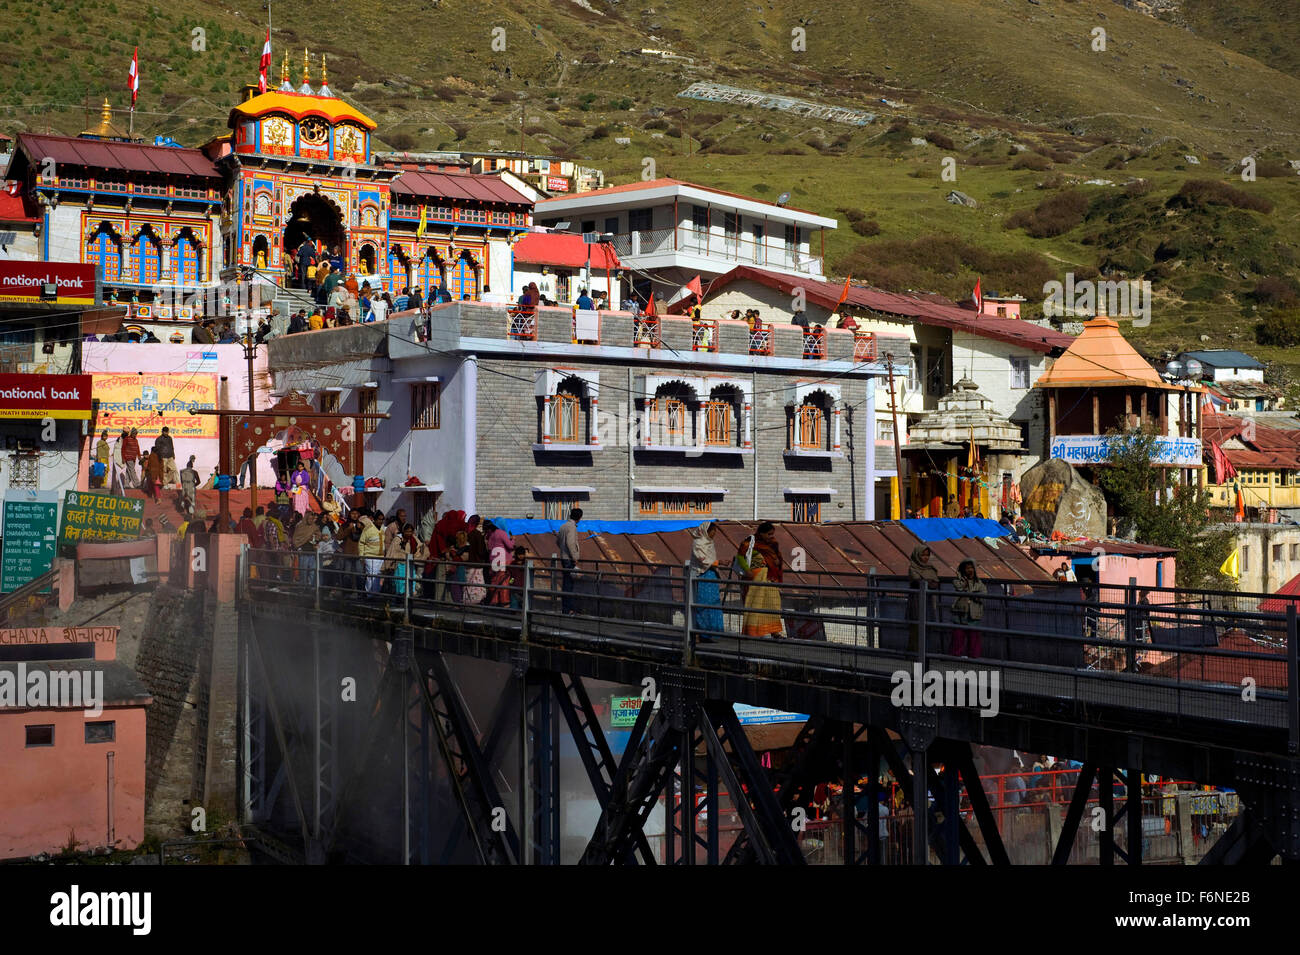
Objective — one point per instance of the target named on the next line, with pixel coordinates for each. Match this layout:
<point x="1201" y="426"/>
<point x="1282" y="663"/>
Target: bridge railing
<point x="1178" y="653"/>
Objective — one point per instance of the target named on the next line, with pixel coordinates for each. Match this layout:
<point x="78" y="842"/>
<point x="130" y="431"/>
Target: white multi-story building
<point x="672" y="231"/>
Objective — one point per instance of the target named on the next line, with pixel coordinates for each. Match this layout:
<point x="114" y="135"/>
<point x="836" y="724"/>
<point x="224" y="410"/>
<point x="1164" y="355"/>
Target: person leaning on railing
<point x="920" y="569"/>
<point x="967" y="610"/>
<point x="759" y="560"/>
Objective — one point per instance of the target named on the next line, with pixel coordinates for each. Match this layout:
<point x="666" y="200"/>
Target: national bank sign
<point x="1095" y="449"/>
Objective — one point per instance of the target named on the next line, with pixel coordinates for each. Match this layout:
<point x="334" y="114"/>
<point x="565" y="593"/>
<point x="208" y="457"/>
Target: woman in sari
<point x="760" y="562"/>
<point x="474" y="591"/>
<point x="704" y="562"/>
<point x="920" y="569"/>
<point x="298" y="484"/>
<point x="500" y="548"/>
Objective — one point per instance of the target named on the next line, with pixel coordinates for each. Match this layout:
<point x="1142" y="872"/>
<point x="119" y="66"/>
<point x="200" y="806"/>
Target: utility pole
<point x="523" y="110"/>
<point x="898" y="453"/>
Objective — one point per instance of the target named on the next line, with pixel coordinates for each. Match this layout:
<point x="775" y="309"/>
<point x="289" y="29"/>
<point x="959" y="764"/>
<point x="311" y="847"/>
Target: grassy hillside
<point x="1077" y="157"/>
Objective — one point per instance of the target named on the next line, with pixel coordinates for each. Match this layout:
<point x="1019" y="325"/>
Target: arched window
<point x="722" y="417"/>
<point x="399" y="269"/>
<point x="366" y="255"/>
<point x="261" y="252"/>
<point x="463" y="277"/>
<point x="670" y="415"/>
<point x="567" y="412"/>
<point x="146" y="257"/>
<point x="187" y="258"/>
<point x="104" y="248"/>
<point x="428" y="273"/>
<point x="810" y="423"/>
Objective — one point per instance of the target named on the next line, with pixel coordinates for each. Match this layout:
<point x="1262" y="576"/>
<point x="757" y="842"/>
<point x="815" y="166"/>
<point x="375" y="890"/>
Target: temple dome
<point x="300" y="106"/>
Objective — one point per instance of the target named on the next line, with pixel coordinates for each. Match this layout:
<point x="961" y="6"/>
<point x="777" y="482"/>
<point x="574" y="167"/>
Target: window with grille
<point x="809" y="427"/>
<point x="565" y="418"/>
<point x="1019" y="372"/>
<point x="666" y="418"/>
<point x="369" y="404"/>
<point x="558" y="508"/>
<point x="425" y="407"/>
<point x="648" y="505"/>
<point x="329" y="402"/>
<point x="717" y="423"/>
<point x="102" y="731"/>
<point x="885" y="430"/>
<point x="423" y="503"/>
<point x="676" y="506"/>
<point x="805" y="512"/>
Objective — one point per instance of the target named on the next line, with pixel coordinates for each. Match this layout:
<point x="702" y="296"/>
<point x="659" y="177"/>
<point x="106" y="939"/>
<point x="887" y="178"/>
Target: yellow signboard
<point x="151" y="402"/>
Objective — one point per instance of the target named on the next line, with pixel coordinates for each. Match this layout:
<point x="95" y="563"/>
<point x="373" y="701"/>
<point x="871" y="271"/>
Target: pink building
<point x="1002" y="306"/>
<point x="1110" y="563"/>
<point x="74" y="757"/>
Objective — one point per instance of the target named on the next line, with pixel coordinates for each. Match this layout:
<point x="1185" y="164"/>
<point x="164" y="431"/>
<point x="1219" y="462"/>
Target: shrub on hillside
<point x="657" y="124"/>
<point x="600" y="132"/>
<point x="940" y="140"/>
<point x="1054" y="216"/>
<point x="1199" y="193"/>
<point x="502" y="96"/>
<point x="1276" y="292"/>
<point x="1280" y="329"/>
<point x="1032" y="161"/>
<point x="402" y="142"/>
<point x="866" y="227"/>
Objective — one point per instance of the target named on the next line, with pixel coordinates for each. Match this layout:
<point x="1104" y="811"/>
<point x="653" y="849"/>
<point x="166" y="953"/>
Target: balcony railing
<point x="645" y="330"/>
<point x="729" y="248"/>
<point x="864" y="347"/>
<point x="814" y="343"/>
<point x="704" y="336"/>
<point x="523" y="324"/>
<point x="761" y="340"/>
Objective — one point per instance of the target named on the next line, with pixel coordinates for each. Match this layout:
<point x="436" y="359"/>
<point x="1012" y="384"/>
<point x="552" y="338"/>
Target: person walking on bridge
<point x="370" y="548"/>
<point x="566" y="539"/>
<point x="189" y="486"/>
<point x="967" y="611"/>
<point x="920" y="569"/>
<point x="704" y="564"/>
<point x="760" y="562"/>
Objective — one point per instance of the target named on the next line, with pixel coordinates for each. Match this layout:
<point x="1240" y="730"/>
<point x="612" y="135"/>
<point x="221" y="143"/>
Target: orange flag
<point x="844" y="295"/>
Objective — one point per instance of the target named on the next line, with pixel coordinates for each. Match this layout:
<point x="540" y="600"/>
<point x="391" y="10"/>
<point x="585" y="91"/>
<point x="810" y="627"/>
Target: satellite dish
<point x="1193" y="369"/>
<point x="1174" y="369"/>
<point x="783" y="198"/>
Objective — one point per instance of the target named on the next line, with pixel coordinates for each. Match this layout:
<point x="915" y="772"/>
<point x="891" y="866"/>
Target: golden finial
<point x="323" y="81"/>
<point x="306" y="65"/>
<point x="284" y="70"/>
<point x="107" y="114"/>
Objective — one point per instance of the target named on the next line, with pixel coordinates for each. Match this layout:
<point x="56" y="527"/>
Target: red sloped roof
<point x="1013" y="331"/>
<point x="14" y="209"/>
<point x="564" y="250"/>
<point x="1271" y="460"/>
<point x="1275" y="605"/>
<point x="103" y="154"/>
<point x="452" y="185"/>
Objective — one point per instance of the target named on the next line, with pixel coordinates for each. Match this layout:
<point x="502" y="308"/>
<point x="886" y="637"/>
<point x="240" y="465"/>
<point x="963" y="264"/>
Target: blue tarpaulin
<point x="516" y="525"/>
<point x="949" y="528"/>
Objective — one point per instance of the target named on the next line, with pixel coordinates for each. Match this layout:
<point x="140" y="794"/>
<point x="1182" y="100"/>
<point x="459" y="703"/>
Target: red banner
<point x="45" y="396"/>
<point x="557" y="184"/>
<point x="74" y="282"/>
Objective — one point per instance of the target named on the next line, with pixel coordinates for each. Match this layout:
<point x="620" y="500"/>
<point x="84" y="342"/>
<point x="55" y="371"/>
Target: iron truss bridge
<point x="363" y="741"/>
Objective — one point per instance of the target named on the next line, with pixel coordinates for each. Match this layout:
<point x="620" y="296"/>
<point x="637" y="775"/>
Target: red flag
<point x="844" y="295"/>
<point x="978" y="297"/>
<point x="694" y="286"/>
<point x="650" y="304"/>
<point x="265" y="64"/>
<point x="133" y="78"/>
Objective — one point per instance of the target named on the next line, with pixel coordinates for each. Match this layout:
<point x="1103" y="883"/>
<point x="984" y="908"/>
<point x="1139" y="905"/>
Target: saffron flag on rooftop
<point x="1232" y="566"/>
<point x="133" y="77"/>
<point x="978" y="297"/>
<point x="265" y="64"/>
<point x="694" y="286"/>
<point x="650" y="304"/>
<point x="844" y="295"/>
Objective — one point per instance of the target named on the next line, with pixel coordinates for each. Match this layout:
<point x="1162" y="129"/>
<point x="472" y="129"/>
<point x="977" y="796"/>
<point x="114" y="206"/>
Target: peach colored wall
<point x="1115" y="570"/>
<point x="52" y="795"/>
<point x="223" y="564"/>
<point x="103" y="639"/>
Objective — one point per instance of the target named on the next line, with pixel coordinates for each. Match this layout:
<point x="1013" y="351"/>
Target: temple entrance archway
<point x="314" y="217"/>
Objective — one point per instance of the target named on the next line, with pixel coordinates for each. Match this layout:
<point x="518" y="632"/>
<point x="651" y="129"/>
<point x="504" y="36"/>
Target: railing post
<point x="406" y="603"/>
<point x="871" y="607"/>
<point x="687" y="650"/>
<point x="921" y="635"/>
<point x="526" y="603"/>
<point x="1130" y="626"/>
<point x="1292" y="684"/>
<point x="318" y="575"/>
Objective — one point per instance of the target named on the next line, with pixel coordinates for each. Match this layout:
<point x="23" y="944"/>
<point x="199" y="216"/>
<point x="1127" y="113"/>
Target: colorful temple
<point x="296" y="166"/>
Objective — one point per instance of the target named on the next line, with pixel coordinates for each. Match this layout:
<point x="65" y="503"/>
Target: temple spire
<point x="285" y="85"/>
<point x="324" y="84"/>
<point x="306" y="77"/>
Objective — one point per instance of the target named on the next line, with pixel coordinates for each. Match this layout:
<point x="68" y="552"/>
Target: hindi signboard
<point x="1095" y="449"/>
<point x="51" y="283"/>
<point x="28" y="542"/>
<point x="623" y="711"/>
<point x="153" y="401"/>
<point x="99" y="517"/>
<point x="756" y="715"/>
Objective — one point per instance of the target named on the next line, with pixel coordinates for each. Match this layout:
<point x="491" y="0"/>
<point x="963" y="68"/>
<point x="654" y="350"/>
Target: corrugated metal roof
<point x="100" y="154"/>
<point x="452" y="185"/>
<point x="844" y="550"/>
<point x="1224" y="358"/>
<point x="826" y="294"/>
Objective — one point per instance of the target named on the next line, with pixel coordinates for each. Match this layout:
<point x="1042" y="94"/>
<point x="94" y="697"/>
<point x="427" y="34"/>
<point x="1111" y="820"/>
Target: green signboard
<point x="623" y="711"/>
<point x="99" y="517"/>
<point x="28" y="542"/>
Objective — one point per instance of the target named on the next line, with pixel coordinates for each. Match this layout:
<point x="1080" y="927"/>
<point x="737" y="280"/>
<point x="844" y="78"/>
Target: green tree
<point x="1153" y="509"/>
